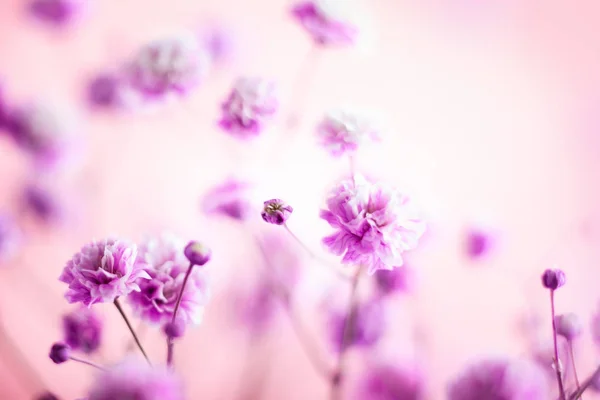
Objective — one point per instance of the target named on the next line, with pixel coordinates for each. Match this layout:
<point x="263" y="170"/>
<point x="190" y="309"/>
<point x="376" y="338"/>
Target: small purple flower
<point x="102" y="271"/>
<point x="374" y="224"/>
<point x="106" y="91"/>
<point x="568" y="325"/>
<point x="275" y="211"/>
<point x="41" y="199"/>
<point x="229" y="199"/>
<point x="250" y="104"/>
<point x="163" y="259"/>
<point x="60" y="353"/>
<point x="553" y="279"/>
<point x="500" y="379"/>
<point x="343" y="132"/>
<point x="10" y="238"/>
<point x="395" y="280"/>
<point x="367" y="325"/>
<point x="174" y="329"/>
<point x="385" y="381"/>
<point x="197" y="253"/>
<point x="172" y="65"/>
<point x="44" y="132"/>
<point x="478" y="243"/>
<point x="219" y="43"/>
<point x="326" y="21"/>
<point x="82" y="330"/>
<point x="57" y="12"/>
<point x="135" y="379"/>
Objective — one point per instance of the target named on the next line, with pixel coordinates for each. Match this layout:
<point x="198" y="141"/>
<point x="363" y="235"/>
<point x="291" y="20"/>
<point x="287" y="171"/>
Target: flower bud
<point x="568" y="325"/>
<point x="60" y="352"/>
<point x="553" y="279"/>
<point x="197" y="253"/>
<point x="275" y="211"/>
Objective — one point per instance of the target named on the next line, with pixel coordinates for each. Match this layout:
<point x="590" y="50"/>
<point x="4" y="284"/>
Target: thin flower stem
<point x="86" y="362"/>
<point x="140" y="332"/>
<point x="135" y="337"/>
<point x="170" y="340"/>
<point x="557" y="368"/>
<point x="338" y="377"/>
<point x="307" y="344"/>
<point x="335" y="268"/>
<point x="585" y="385"/>
<point x="573" y="365"/>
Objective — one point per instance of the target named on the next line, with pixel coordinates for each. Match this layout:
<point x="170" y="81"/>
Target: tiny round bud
<point x="197" y="253"/>
<point x="174" y="329"/>
<point x="553" y="279"/>
<point x="46" y="396"/>
<point x="568" y="325"/>
<point x="275" y="211"/>
<point x="60" y="352"/>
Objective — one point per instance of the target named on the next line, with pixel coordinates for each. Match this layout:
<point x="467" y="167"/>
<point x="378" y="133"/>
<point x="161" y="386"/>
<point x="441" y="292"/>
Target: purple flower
<point x="395" y="280"/>
<point x="478" y="243"/>
<point x="60" y="353"/>
<point x="164" y="261"/>
<point x="229" y="199"/>
<point x="82" y="330"/>
<point x="41" y="199"/>
<point x="342" y="132"/>
<point x="553" y="279"/>
<point x="10" y="238"/>
<point x="102" y="271"/>
<point x="105" y="90"/>
<point x="568" y="325"/>
<point x="250" y="104"/>
<point x="57" y="12"/>
<point x="197" y="253"/>
<point x="171" y="65"/>
<point x="326" y="21"/>
<point x="374" y="224"/>
<point x="499" y="379"/>
<point x="275" y="211"/>
<point x="174" y="329"/>
<point x="44" y="132"/>
<point x="367" y="325"/>
<point x="219" y="43"/>
<point x="385" y="381"/>
<point x="135" y="379"/>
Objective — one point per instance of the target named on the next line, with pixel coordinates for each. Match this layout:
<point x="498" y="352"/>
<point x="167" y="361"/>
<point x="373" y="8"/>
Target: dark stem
<point x="170" y="340"/>
<point x="313" y="255"/>
<point x="307" y="344"/>
<point x="137" y="340"/>
<point x="86" y="362"/>
<point x="573" y="365"/>
<point x="557" y="368"/>
<point x="140" y="332"/>
<point x="338" y="376"/>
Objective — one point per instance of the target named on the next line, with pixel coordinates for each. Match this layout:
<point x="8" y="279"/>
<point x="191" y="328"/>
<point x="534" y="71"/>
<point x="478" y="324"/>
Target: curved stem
<point x="170" y="340"/>
<point x="573" y="365"/>
<point x="338" y="377"/>
<point x="137" y="340"/>
<point x="86" y="362"/>
<point x="557" y="368"/>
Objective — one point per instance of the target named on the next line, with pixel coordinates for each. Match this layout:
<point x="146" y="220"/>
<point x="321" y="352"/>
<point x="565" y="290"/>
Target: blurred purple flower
<point x="171" y="65"/>
<point x="568" y="325"/>
<point x="162" y="258"/>
<point x="60" y="353"/>
<point x="250" y="104"/>
<point x="105" y="91"/>
<point x="102" y="271"/>
<point x="82" y="329"/>
<point x="374" y="224"/>
<point x="342" y="132"/>
<point x="276" y="211"/>
<point x="219" y="42"/>
<point x="500" y="379"/>
<point x="326" y="21"/>
<point x="11" y="238"/>
<point x="384" y="381"/>
<point x="44" y="202"/>
<point x="553" y="279"/>
<point x="47" y="396"/>
<point x="57" y="12"/>
<point x="135" y="379"/>
<point x="229" y="199"/>
<point x="367" y="325"/>
<point x="3" y="110"/>
<point x="478" y="243"/>
<point x="44" y="132"/>
<point x="256" y="306"/>
<point x="396" y="280"/>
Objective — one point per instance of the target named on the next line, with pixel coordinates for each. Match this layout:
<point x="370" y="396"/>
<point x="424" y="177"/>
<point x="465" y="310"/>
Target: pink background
<point x="490" y="111"/>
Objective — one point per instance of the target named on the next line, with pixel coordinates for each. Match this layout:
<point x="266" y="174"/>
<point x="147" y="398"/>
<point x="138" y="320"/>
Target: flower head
<point x="386" y="381"/>
<point x="553" y="279"/>
<point x="82" y="330"/>
<point x="135" y="379"/>
<point x="60" y="353"/>
<point x="43" y="201"/>
<point x="568" y="325"/>
<point x="395" y="280"/>
<point x="275" y="211"/>
<point x="367" y="325"/>
<point x="498" y="379"/>
<point x="197" y="253"/>
<point x="10" y="238"/>
<point x="102" y="271"/>
<point x="57" y="12"/>
<point x="229" y="199"/>
<point x="171" y="65"/>
<point x="374" y="224"/>
<point x="327" y="21"/>
<point x="250" y="104"/>
<point x="478" y="243"/>
<point x="219" y="42"/>
<point x="174" y="329"/>
<point x="105" y="90"/>
<point x="163" y="259"/>
<point x="342" y="132"/>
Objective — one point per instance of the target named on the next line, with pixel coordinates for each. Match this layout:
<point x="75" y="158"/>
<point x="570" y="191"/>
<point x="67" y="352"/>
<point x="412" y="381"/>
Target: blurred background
<point x="489" y="122"/>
